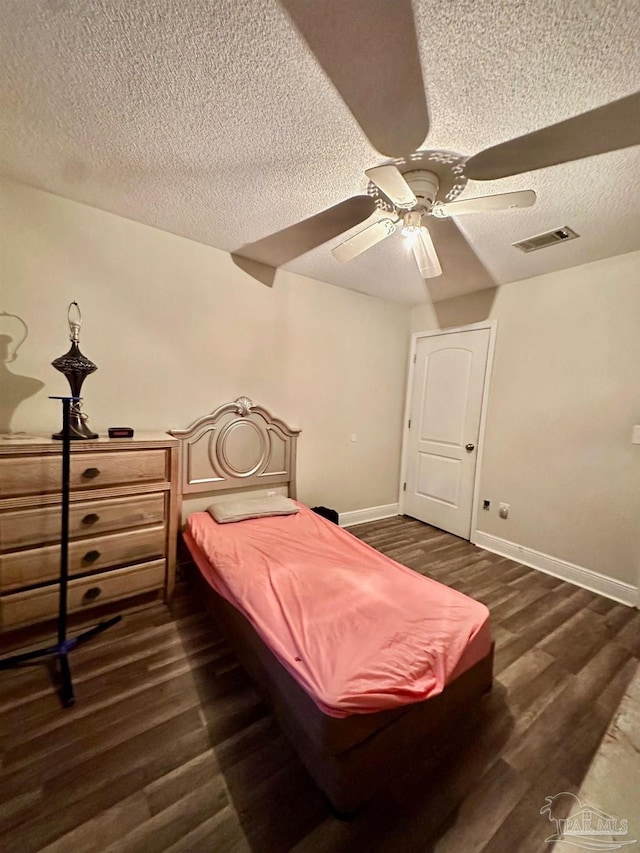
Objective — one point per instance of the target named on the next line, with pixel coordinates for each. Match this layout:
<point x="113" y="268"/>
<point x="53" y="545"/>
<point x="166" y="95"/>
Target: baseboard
<point x="372" y="513"/>
<point x="625" y="593"/>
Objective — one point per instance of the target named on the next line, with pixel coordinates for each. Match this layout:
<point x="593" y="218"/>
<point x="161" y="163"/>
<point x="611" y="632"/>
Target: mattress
<point x="361" y="634"/>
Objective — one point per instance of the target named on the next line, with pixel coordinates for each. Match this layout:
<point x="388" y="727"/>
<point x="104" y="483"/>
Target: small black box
<point x="325" y="512"/>
<point x="120" y="432"/>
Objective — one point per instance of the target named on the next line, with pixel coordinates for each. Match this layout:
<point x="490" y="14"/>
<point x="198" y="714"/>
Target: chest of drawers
<point x="122" y="523"/>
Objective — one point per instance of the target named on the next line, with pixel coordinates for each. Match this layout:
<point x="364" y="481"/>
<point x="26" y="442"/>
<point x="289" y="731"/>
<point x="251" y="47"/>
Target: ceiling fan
<point x="387" y="99"/>
<point x="413" y="196"/>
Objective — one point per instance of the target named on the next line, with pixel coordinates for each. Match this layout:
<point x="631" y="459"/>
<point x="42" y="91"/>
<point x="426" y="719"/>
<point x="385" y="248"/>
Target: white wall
<point x="177" y="329"/>
<point x="565" y="394"/>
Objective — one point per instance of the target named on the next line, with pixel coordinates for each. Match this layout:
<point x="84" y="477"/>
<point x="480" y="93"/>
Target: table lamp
<point x="76" y="367"/>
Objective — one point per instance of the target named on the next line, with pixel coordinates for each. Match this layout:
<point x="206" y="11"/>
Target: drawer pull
<point x="91" y="518"/>
<point x="90" y="473"/>
<point x="91" y="557"/>
<point x="92" y="593"/>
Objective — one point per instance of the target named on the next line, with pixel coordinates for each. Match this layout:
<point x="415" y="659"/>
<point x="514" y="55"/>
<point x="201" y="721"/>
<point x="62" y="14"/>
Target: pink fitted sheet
<point x="358" y="631"/>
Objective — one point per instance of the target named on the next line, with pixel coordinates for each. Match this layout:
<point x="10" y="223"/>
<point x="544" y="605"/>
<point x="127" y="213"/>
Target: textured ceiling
<point x="211" y="119"/>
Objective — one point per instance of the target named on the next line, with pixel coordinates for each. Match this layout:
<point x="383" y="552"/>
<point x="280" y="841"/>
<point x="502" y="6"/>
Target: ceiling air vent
<point x="550" y="238"/>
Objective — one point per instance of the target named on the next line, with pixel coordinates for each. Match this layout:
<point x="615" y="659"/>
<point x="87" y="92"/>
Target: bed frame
<point x="240" y="445"/>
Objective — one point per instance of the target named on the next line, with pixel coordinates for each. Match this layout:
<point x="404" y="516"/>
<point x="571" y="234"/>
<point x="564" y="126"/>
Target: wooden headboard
<point x="239" y="445"/>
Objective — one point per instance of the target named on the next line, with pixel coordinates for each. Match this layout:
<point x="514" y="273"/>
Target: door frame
<point x="492" y="326"/>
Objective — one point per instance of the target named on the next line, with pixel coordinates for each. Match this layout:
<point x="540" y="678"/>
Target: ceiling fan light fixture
<point x="425" y="254"/>
<point x="411" y="220"/>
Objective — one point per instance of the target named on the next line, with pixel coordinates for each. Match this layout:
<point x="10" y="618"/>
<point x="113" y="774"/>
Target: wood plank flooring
<point x="169" y="747"/>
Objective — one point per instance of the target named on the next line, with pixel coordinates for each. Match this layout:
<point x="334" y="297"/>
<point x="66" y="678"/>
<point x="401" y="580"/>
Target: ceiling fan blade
<point x="425" y="254"/>
<point x="390" y="180"/>
<point x="283" y="246"/>
<point x="364" y="240"/>
<point x="501" y="201"/>
<point x="607" y="128"/>
<point x="369" y="50"/>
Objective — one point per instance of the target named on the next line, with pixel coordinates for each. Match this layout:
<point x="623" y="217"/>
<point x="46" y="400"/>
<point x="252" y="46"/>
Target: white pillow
<point x="252" y="508"/>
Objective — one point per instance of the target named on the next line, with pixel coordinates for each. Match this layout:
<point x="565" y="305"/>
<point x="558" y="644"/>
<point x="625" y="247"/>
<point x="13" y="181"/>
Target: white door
<point x="445" y="408"/>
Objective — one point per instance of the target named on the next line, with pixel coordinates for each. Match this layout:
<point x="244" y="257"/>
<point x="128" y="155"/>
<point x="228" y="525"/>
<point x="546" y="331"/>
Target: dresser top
<point x="32" y="443"/>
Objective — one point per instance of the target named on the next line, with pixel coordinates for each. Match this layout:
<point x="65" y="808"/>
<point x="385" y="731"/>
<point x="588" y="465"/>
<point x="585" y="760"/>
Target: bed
<point x="366" y="664"/>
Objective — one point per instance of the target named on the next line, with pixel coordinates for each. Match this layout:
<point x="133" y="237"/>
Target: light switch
<point x="635" y="434"/>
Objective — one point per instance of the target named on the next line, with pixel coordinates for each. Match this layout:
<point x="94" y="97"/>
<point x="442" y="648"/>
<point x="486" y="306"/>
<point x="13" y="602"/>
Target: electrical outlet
<point x="503" y="512"/>
<point x="270" y="494"/>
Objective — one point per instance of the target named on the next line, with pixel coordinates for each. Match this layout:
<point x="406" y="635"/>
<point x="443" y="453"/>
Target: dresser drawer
<point x="25" y="527"/>
<point x="43" y="474"/>
<point x="37" y="565"/>
<point x="21" y="608"/>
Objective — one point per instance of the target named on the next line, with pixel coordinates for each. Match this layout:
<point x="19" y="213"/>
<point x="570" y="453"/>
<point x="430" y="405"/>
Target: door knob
<point x="469" y="447"/>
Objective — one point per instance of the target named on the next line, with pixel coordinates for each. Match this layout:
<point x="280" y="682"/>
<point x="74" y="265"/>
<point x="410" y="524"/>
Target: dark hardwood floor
<point x="169" y="748"/>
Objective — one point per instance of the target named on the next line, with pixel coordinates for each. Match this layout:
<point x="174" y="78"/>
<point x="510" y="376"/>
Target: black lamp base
<point x="78" y="429"/>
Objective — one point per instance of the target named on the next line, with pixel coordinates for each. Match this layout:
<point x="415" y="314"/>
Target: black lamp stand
<point x="64" y="645"/>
